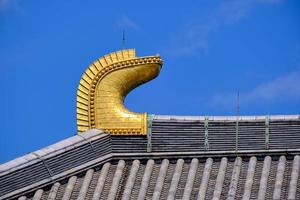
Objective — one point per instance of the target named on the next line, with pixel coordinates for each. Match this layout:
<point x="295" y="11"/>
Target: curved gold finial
<point x="103" y="88"/>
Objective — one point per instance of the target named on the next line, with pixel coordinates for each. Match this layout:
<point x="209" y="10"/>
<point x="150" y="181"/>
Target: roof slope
<point x="263" y="150"/>
<point x="253" y="177"/>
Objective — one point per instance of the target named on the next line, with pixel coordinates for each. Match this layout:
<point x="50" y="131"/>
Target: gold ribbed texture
<point x="103" y="88"/>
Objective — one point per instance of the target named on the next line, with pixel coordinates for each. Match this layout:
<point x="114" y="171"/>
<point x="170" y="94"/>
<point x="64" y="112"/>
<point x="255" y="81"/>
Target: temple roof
<point x="255" y="177"/>
<point x="120" y="154"/>
<point x="182" y="157"/>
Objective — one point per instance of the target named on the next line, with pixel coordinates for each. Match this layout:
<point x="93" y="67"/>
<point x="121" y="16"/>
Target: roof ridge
<point x="228" y="117"/>
<point x="50" y="151"/>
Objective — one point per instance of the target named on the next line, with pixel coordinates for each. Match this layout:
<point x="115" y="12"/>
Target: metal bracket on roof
<point x="149" y="132"/>
<point x="91" y="145"/>
<point x="267" y="132"/>
<point x="44" y="162"/>
<point x="206" y="143"/>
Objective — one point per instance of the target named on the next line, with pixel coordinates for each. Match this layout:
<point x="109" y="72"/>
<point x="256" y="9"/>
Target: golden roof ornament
<point x="103" y="88"/>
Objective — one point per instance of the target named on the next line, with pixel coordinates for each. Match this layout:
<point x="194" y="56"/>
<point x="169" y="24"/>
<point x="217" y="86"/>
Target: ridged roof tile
<point x="211" y="178"/>
<point x="96" y="165"/>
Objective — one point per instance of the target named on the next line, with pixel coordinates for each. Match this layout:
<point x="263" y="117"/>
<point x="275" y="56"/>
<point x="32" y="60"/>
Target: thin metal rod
<point x="123" y="39"/>
<point x="237" y="121"/>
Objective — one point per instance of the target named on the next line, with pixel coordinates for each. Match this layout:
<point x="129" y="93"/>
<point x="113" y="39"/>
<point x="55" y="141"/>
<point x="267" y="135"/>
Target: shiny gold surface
<point x="103" y="88"/>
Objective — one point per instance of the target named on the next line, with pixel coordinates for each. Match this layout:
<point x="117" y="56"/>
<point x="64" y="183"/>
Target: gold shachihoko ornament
<point x="103" y="88"/>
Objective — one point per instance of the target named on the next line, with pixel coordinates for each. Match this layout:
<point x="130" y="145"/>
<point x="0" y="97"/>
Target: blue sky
<point x="211" y="49"/>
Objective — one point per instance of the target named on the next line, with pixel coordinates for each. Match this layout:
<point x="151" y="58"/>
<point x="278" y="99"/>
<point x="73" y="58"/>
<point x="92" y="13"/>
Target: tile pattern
<point x="256" y="177"/>
<point x="173" y="138"/>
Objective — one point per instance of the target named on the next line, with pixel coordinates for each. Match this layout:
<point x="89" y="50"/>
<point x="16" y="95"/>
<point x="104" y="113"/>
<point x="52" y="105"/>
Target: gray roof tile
<point x="213" y="178"/>
<point x="49" y="151"/>
<point x="95" y="165"/>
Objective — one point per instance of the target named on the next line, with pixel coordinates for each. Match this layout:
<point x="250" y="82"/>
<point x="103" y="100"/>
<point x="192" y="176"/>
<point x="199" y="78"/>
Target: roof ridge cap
<point x="49" y="151"/>
<point x="228" y="117"/>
